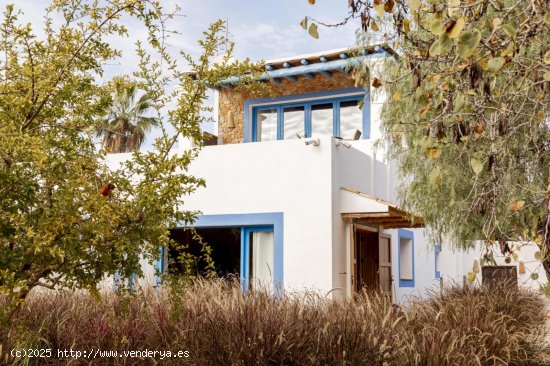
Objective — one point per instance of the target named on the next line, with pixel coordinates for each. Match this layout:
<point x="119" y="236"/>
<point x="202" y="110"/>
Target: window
<point x="405" y="261"/>
<point x="339" y="116"/>
<point x="294" y="122"/>
<point x="321" y="120"/>
<point x="226" y="251"/>
<point x="261" y="260"/>
<point x="251" y="248"/>
<point x="266" y="125"/>
<point x="350" y="119"/>
<point x="406" y="258"/>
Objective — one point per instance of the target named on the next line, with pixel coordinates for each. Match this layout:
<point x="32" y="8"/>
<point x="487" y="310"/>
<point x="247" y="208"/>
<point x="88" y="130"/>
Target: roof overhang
<point x="365" y="208"/>
<point x="311" y="65"/>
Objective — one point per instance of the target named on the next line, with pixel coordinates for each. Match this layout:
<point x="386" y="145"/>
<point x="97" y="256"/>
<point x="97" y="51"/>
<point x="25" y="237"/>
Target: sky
<point x="260" y="29"/>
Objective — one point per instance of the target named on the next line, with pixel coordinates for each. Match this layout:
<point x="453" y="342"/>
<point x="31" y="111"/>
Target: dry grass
<point x="219" y="325"/>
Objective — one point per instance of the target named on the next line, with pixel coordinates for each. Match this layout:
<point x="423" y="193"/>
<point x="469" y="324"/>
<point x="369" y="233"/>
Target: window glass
<point x="351" y="120"/>
<point x="294" y="121"/>
<point x="266" y="125"/>
<point x="261" y="260"/>
<point x="321" y="120"/>
<point x="406" y="259"/>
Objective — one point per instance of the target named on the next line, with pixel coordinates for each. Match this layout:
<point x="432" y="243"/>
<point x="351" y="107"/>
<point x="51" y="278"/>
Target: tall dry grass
<point x="219" y="325"/>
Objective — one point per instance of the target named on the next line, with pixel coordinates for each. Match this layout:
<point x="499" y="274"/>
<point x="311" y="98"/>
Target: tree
<point x="66" y="220"/>
<point x="467" y="112"/>
<point x="125" y="123"/>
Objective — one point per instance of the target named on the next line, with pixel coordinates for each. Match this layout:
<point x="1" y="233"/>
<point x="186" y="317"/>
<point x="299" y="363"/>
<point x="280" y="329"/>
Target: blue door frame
<point x="245" y="251"/>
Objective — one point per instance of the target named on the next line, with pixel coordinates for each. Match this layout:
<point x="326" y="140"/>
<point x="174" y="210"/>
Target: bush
<point x="220" y="325"/>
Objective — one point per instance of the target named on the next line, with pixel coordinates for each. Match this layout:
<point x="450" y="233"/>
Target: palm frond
<point x="125" y="123"/>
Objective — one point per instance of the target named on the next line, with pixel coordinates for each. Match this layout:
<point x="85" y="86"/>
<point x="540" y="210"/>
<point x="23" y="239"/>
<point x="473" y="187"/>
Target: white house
<point x="297" y="196"/>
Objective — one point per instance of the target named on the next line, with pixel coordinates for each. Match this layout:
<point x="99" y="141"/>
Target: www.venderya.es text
<point x="95" y="353"/>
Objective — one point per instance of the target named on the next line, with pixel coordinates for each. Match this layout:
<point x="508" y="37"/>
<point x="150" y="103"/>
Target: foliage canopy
<point x="66" y="217"/>
<point x="467" y="114"/>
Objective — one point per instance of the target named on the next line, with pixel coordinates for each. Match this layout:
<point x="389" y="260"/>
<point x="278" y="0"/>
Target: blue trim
<point x="324" y="65"/>
<point x="244" y="221"/>
<point x="116" y="279"/>
<point x="437" y="250"/>
<point x="245" y="244"/>
<point x="307" y="120"/>
<point x="159" y="268"/>
<point x="328" y="96"/>
<point x="336" y="119"/>
<point x="406" y="234"/>
<point x="279" y="118"/>
<point x="280" y="125"/>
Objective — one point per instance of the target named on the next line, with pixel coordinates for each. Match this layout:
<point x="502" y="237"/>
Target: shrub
<point x="220" y="325"/>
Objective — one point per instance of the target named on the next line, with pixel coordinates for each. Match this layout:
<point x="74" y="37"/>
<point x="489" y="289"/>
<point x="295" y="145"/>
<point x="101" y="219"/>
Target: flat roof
<point x="329" y="55"/>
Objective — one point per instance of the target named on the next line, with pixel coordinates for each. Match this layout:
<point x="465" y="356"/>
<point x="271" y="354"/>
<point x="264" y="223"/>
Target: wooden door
<point x="384" y="266"/>
<point x="365" y="246"/>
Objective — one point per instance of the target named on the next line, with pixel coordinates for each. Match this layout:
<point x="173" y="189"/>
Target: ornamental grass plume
<point x="219" y="324"/>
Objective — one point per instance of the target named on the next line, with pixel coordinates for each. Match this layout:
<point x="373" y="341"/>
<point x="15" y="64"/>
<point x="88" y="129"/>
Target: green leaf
<point x="509" y="30"/>
<point x="547" y="57"/>
<point x="537" y="255"/>
<point x="477" y="166"/>
<point x="546" y="76"/>
<point x="459" y="102"/>
<point x="313" y="31"/>
<point x="471" y="276"/>
<point x="303" y="23"/>
<point x="495" y="64"/>
<point x="547" y="18"/>
<point x="441" y="46"/>
<point x="437" y="27"/>
<point x="435" y="176"/>
<point x="456" y="29"/>
<point x="468" y="43"/>
<point x="534" y="276"/>
<point x="414" y="4"/>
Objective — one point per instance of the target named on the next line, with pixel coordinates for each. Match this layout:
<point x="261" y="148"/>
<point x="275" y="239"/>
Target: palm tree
<point x="125" y="123"/>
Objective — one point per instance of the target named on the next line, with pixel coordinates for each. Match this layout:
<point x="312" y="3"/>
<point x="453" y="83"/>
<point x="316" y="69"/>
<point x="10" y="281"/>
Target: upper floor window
<point x="290" y="118"/>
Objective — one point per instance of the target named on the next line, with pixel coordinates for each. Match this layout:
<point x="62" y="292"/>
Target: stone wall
<point x="231" y="102"/>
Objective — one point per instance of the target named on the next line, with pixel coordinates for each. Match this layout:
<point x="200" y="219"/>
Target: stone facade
<point x="231" y="102"/>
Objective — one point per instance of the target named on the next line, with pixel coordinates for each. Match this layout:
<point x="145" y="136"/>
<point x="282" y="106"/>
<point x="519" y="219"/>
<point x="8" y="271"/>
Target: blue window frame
<point x="405" y="257"/>
<point x="256" y="222"/>
<point x="307" y="101"/>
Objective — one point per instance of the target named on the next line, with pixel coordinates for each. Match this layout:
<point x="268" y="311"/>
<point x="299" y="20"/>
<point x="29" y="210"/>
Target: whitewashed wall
<point x="276" y="176"/>
<point x="303" y="182"/>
